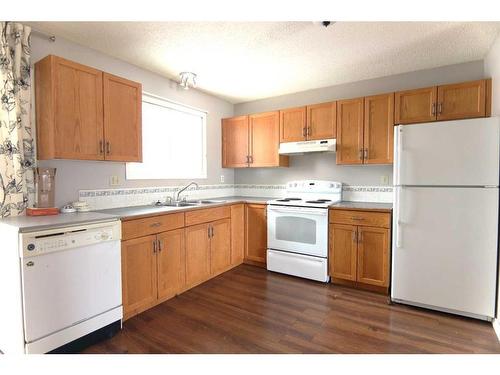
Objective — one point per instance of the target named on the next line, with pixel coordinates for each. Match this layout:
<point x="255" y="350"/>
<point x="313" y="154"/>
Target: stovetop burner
<point x="288" y="199"/>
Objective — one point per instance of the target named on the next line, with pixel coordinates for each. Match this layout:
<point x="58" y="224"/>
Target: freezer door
<point x="464" y="152"/>
<point x="445" y="248"/>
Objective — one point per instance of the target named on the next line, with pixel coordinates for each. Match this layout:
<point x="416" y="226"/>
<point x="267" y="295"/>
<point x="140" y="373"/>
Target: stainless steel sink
<point x="207" y="201"/>
<point x="187" y="203"/>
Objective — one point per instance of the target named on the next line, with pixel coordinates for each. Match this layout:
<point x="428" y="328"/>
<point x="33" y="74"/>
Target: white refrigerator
<point x="445" y="219"/>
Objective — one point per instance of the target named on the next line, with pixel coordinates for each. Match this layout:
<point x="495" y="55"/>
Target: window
<point x="173" y="142"/>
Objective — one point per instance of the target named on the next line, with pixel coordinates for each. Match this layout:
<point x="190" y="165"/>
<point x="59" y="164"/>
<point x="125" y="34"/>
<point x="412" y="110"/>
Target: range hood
<point x="292" y="148"/>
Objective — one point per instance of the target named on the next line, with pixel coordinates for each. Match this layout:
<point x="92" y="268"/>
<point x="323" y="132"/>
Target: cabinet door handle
<point x="108" y="147"/>
<point x="160" y="245"/>
<point x="154" y="246"/>
<point x="251" y="159"/>
<point x="208" y="231"/>
<point x="360" y="154"/>
<point x="360" y="237"/>
<point x="440" y="108"/>
<point x="433" y="112"/>
<point x="212" y="231"/>
<point x="365" y="153"/>
<point x="101" y="147"/>
<point x="309" y="131"/>
<point x="304" y="132"/>
<point x="354" y="236"/>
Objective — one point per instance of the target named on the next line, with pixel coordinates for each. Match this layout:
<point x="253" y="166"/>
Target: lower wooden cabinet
<point x="237" y="233"/>
<point x="359" y="253"/>
<point x="139" y="280"/>
<point x="197" y="254"/>
<point x="171" y="263"/>
<point x="220" y="246"/>
<point x="256" y="233"/>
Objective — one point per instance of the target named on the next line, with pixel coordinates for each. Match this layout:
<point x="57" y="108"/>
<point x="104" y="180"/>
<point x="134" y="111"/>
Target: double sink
<point x="187" y="203"/>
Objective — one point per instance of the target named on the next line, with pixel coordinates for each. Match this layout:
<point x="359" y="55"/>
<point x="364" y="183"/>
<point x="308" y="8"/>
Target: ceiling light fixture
<point x="187" y="80"/>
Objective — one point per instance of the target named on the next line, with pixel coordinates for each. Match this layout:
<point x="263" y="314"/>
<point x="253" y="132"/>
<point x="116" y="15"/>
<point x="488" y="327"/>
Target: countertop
<point x="143" y="211"/>
<point x="360" y="206"/>
<point x="35" y="223"/>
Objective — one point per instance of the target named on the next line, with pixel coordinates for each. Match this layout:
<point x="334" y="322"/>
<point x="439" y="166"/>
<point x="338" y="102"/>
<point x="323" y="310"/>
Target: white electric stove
<point x="297" y="229"/>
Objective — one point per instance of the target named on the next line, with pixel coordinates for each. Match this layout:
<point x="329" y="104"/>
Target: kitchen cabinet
<point x="139" y="280"/>
<point x="220" y="246"/>
<point x="122" y="119"/>
<point x="252" y="141"/>
<point x="350" y="131"/>
<point x="85" y="114"/>
<point x="197" y="254"/>
<point x="237" y="233"/>
<point x="359" y="248"/>
<point x="171" y="263"/>
<point x="256" y="233"/>
<point x="235" y="142"/>
<point x="378" y="131"/>
<point x="293" y="126"/>
<point x="264" y="141"/>
<point x="446" y="102"/>
<point x="461" y="100"/>
<point x="312" y="122"/>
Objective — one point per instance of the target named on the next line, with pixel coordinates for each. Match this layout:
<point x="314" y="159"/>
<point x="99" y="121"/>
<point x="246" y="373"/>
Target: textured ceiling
<point x="243" y="61"/>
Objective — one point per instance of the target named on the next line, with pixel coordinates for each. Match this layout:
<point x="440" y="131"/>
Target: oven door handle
<point x="299" y="210"/>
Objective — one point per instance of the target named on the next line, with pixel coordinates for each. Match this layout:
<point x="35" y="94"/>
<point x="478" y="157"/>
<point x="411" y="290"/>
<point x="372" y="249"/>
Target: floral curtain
<point x="16" y="139"/>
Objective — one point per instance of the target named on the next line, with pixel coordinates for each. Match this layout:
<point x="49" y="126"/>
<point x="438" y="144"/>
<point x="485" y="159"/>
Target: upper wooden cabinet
<point x="293" y="126"/>
<point x="252" y="141"/>
<point x="413" y="106"/>
<point x="378" y="132"/>
<point x="122" y="119"/>
<point x="461" y="100"/>
<point x="350" y="131"/>
<point x="235" y="142"/>
<point x="85" y="114"/>
<point x="446" y="102"/>
<point x="312" y="122"/>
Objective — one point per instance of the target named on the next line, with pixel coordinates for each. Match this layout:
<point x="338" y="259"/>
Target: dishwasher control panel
<point x="43" y="242"/>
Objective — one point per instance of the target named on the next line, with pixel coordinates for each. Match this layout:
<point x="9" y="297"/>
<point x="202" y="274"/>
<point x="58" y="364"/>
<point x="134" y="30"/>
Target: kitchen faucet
<point x="184" y="188"/>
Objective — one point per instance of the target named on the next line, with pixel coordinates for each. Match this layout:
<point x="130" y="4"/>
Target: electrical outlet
<point x="222" y="178"/>
<point x="114" y="181"/>
<point x="384" y="180"/>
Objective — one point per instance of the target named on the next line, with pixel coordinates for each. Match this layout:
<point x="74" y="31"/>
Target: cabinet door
<point x="264" y="140"/>
<point x="413" y="106"/>
<point x="350" y="131"/>
<point x="220" y="246"/>
<point x="197" y="254"/>
<point x="122" y="119"/>
<point x="235" y="142"/>
<point x="322" y="121"/>
<point x="171" y="263"/>
<point x="237" y="233"/>
<point x="462" y="100"/>
<point x="293" y="124"/>
<point x="342" y="252"/>
<point x="378" y="131"/>
<point x="373" y="256"/>
<point x="78" y="111"/>
<point x="256" y="233"/>
<point x="139" y="281"/>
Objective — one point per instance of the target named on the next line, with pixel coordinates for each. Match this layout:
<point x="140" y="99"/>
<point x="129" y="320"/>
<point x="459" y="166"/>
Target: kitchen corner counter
<point x="136" y="212"/>
<point x="362" y="206"/>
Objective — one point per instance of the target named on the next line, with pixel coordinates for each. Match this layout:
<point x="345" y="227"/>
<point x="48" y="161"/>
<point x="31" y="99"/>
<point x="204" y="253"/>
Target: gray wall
<point x="322" y="166"/>
<point x="74" y="175"/>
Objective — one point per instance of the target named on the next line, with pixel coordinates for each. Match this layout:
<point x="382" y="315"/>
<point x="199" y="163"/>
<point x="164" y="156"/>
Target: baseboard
<point x="496" y="327"/>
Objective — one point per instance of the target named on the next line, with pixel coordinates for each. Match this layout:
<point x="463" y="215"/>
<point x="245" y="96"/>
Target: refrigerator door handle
<point x="397" y="220"/>
<point x="398" y="147"/>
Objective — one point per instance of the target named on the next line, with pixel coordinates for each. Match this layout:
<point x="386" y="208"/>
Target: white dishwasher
<point x="71" y="283"/>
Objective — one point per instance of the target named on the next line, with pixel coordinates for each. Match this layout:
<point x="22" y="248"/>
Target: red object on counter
<point x="42" y="211"/>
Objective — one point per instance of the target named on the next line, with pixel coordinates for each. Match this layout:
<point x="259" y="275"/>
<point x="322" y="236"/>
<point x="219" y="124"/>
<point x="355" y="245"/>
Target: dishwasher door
<point x="65" y="287"/>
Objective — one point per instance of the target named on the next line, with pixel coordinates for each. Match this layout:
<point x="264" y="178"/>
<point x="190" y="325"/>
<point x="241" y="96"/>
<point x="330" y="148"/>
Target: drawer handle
<point x="155" y="225"/>
<point x="357" y="218"/>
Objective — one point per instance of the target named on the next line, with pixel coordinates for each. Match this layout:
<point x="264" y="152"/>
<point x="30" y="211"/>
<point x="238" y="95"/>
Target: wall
<point x="74" y="175"/>
<point x="322" y="166"/>
<point x="492" y="69"/>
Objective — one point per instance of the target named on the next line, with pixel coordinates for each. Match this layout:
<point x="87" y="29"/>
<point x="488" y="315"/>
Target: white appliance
<point x="297" y="229"/>
<point x="291" y="148"/>
<point x="67" y="284"/>
<point x="445" y="230"/>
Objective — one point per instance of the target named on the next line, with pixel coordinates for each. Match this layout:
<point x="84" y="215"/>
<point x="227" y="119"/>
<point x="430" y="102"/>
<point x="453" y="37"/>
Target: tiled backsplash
<point x="112" y="198"/>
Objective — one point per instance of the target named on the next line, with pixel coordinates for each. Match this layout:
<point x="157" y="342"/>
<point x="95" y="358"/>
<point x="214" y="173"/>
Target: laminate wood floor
<point x="251" y="310"/>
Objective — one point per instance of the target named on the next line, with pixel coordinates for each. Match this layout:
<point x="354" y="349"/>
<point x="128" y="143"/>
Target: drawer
<point x="205" y="215"/>
<point x="151" y="225"/>
<point x="354" y="217"/>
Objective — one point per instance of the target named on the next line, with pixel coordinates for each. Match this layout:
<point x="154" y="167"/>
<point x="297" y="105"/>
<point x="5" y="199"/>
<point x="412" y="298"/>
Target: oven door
<point x="301" y="230"/>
